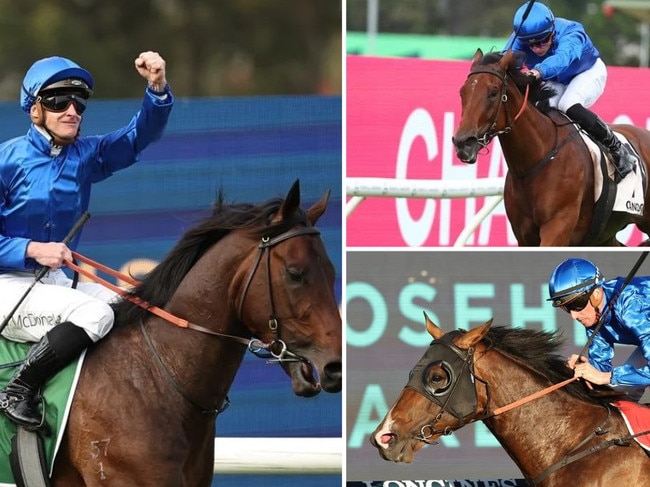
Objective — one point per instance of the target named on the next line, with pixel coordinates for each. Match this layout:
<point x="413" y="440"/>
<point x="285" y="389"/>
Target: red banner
<point x="401" y="115"/>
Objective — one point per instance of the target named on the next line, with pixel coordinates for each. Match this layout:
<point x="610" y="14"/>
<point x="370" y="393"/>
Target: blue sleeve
<point x="12" y="252"/>
<point x="636" y="318"/>
<point x="121" y="148"/>
<point x="12" y="249"/>
<point x="569" y="50"/>
<point x="601" y="352"/>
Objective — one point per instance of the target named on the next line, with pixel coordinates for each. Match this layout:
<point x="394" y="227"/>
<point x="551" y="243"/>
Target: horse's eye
<point x="493" y="93"/>
<point x="437" y="378"/>
<point x="296" y="275"/>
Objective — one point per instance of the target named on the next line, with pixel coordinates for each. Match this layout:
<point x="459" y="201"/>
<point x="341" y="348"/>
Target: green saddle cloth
<point x="57" y="397"/>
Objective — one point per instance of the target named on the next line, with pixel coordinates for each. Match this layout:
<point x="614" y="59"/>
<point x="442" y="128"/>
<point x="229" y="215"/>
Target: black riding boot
<point x="19" y="399"/>
<point x="624" y="159"/>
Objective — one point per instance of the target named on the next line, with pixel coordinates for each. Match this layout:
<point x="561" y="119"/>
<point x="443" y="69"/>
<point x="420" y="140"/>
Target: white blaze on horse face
<point x="385" y="430"/>
<point x="474" y="81"/>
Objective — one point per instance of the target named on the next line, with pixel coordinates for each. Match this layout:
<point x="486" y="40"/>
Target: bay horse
<point x="549" y="186"/>
<point x="565" y="437"/>
<point x="145" y="407"/>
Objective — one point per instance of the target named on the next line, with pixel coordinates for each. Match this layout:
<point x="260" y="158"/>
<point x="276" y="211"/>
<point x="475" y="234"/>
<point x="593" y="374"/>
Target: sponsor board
<point x="401" y="115"/>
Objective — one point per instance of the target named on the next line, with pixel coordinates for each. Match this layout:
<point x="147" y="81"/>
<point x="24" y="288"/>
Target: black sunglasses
<point x="540" y="42"/>
<point x="577" y="304"/>
<point x="60" y="103"/>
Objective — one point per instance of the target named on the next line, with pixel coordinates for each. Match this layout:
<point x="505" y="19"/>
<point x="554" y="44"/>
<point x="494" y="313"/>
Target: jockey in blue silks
<point x="560" y="53"/>
<point x="45" y="182"/>
<point x="579" y="288"/>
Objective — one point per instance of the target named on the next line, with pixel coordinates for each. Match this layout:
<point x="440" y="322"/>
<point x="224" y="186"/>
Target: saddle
<point x="628" y="196"/>
<point x="637" y="419"/>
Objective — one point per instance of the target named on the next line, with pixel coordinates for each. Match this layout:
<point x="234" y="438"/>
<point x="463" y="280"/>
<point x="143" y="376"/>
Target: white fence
<point x="361" y="188"/>
<point x="278" y="455"/>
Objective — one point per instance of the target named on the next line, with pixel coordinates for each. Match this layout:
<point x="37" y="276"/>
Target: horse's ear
<point x="505" y="60"/>
<point x="318" y="208"/>
<point x="478" y="55"/>
<point x="432" y="328"/>
<point x="291" y="203"/>
<point x="474" y="336"/>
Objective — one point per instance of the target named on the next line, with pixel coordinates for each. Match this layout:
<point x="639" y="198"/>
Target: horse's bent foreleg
<point x="556" y="233"/>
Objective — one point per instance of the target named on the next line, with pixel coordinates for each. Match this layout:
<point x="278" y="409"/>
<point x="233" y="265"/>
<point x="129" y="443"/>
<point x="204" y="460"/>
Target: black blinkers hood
<point x="459" y="396"/>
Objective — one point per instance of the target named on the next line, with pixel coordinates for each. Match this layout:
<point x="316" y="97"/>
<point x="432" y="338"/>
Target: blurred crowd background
<point x="619" y="28"/>
<point x="224" y="47"/>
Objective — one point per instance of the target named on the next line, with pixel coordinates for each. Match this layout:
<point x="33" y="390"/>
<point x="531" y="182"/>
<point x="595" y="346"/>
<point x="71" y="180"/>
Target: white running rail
<point x="278" y="455"/>
<point x="360" y="188"/>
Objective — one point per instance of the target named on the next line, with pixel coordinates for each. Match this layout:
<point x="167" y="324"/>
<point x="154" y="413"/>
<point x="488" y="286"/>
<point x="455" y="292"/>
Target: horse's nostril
<point x="388" y="438"/>
<point x="333" y="370"/>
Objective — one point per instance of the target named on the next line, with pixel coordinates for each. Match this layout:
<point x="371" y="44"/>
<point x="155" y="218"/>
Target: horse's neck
<point x="535" y="434"/>
<point x="531" y="138"/>
<point x="207" y="295"/>
<point x="206" y="363"/>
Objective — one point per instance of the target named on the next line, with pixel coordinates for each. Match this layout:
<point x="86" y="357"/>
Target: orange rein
<point x="524" y="104"/>
<point x="154" y="309"/>
<point x="531" y="397"/>
<point x="180" y="322"/>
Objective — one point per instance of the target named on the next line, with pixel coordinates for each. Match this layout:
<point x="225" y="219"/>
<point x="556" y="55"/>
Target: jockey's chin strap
<point x="493" y="132"/>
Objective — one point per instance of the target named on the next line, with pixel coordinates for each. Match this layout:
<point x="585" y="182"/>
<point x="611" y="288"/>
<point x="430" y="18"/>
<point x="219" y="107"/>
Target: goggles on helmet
<point x="541" y="42"/>
<point x="575" y="302"/>
<point x="59" y="102"/>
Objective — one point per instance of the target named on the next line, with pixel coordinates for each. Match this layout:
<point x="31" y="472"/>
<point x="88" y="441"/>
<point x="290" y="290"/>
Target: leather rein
<point x="427" y="431"/>
<point x="276" y="352"/>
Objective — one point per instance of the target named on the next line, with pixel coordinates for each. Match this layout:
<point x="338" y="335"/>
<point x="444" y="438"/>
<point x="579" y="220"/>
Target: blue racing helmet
<point x="572" y="278"/>
<point x="539" y="23"/>
<point x="53" y="73"/>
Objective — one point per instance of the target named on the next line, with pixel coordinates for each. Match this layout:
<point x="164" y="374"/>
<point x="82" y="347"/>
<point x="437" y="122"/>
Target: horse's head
<point x="288" y="299"/>
<point x="440" y="395"/>
<point x="484" y="103"/>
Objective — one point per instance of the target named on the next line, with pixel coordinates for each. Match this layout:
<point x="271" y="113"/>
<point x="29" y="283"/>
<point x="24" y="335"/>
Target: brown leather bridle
<point x="493" y="132"/>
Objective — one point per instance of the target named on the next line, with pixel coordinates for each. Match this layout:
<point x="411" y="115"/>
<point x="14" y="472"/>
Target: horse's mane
<point x="540" y="351"/>
<point x="538" y="95"/>
<point x="158" y="285"/>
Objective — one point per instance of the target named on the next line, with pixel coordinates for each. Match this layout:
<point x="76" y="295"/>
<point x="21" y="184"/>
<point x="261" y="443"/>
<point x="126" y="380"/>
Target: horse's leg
<point x="518" y="213"/>
<point x="556" y="233"/>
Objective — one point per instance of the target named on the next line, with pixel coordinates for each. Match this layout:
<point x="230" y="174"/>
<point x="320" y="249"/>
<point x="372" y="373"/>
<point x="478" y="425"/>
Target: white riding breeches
<point x="585" y="88"/>
<point x="52" y="301"/>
